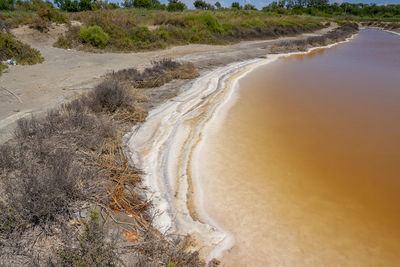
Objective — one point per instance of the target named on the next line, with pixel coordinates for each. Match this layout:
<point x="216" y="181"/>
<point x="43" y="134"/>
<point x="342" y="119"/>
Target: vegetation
<point x="149" y="25"/>
<point x="71" y="161"/>
<point x="13" y="49"/>
<point x="143" y="30"/>
<point x="2" y="67"/>
<point x="336" y="35"/>
<point x="200" y="4"/>
<point x="93" y="249"/>
<point x="160" y="73"/>
<point x="175" y="5"/>
<point x="94" y="35"/>
<point x="322" y="8"/>
<point x="52" y="15"/>
<point x="27" y="5"/>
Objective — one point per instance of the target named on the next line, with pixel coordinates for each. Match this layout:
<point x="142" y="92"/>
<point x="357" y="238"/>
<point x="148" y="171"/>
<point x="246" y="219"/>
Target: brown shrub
<point x="109" y="96"/>
<point x="52" y="14"/>
<point x="73" y="155"/>
<point x="159" y="73"/>
<point x="335" y="35"/>
<point x="70" y="39"/>
<point x="176" y="250"/>
<point x="43" y="173"/>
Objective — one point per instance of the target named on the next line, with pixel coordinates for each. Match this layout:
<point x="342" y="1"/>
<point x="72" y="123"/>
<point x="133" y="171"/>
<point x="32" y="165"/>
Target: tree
<point x="128" y="4"/>
<point x="317" y="3"/>
<point x="175" y="5"/>
<point x="67" y="5"/>
<point x="85" y="5"/>
<point x="7" y="4"/>
<point x="142" y="4"/>
<point x="200" y="4"/>
<point x="236" y="5"/>
<point x="249" y="7"/>
<point x="281" y="3"/>
<point x="218" y="5"/>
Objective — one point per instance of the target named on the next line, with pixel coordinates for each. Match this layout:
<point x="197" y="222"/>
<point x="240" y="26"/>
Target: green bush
<point x="7" y="4"/>
<point x="162" y="34"/>
<point x="252" y="24"/>
<point x="142" y="4"/>
<point x="95" y="36"/>
<point x="22" y="53"/>
<point x="175" y="5"/>
<point x="2" y="67"/>
<point x="207" y="19"/>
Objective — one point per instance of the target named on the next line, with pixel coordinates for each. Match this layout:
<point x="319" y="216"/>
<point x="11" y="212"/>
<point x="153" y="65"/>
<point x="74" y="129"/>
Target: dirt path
<point x="26" y="90"/>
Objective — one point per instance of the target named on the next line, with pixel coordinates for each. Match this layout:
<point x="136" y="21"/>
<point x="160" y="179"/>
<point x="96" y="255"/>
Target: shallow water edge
<point x="166" y="148"/>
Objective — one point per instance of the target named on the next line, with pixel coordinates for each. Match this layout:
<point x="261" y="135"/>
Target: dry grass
<point x="132" y="30"/>
<point x="71" y="158"/>
<point x="159" y="73"/>
<point x="336" y="35"/>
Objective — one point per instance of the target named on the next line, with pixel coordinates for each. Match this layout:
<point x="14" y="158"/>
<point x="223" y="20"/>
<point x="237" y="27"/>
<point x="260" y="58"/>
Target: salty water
<point x="304" y="170"/>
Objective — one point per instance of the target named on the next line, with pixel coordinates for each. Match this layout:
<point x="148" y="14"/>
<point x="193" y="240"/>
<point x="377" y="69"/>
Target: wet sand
<point x="304" y="170"/>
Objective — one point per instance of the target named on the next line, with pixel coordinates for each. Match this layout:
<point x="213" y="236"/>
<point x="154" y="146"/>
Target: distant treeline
<point x="323" y="8"/>
<point x="87" y="5"/>
<point x="320" y="8"/>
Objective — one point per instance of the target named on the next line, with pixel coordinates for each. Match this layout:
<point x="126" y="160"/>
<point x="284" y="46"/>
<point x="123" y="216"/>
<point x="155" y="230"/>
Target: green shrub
<point x="162" y="34"/>
<point x="95" y="36"/>
<point x="175" y="5"/>
<point x="207" y="19"/>
<point x="141" y="33"/>
<point x="227" y="28"/>
<point x="22" y="53"/>
<point x="142" y="4"/>
<point x="2" y="67"/>
<point x="253" y="23"/>
<point x="7" y="4"/>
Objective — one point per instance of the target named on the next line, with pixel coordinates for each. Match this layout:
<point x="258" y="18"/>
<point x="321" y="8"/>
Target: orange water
<point x="305" y="168"/>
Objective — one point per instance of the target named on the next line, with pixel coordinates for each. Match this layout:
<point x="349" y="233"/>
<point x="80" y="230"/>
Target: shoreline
<point x="166" y="147"/>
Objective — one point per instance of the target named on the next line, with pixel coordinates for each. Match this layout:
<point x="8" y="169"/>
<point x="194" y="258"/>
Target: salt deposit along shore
<point x="166" y="148"/>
